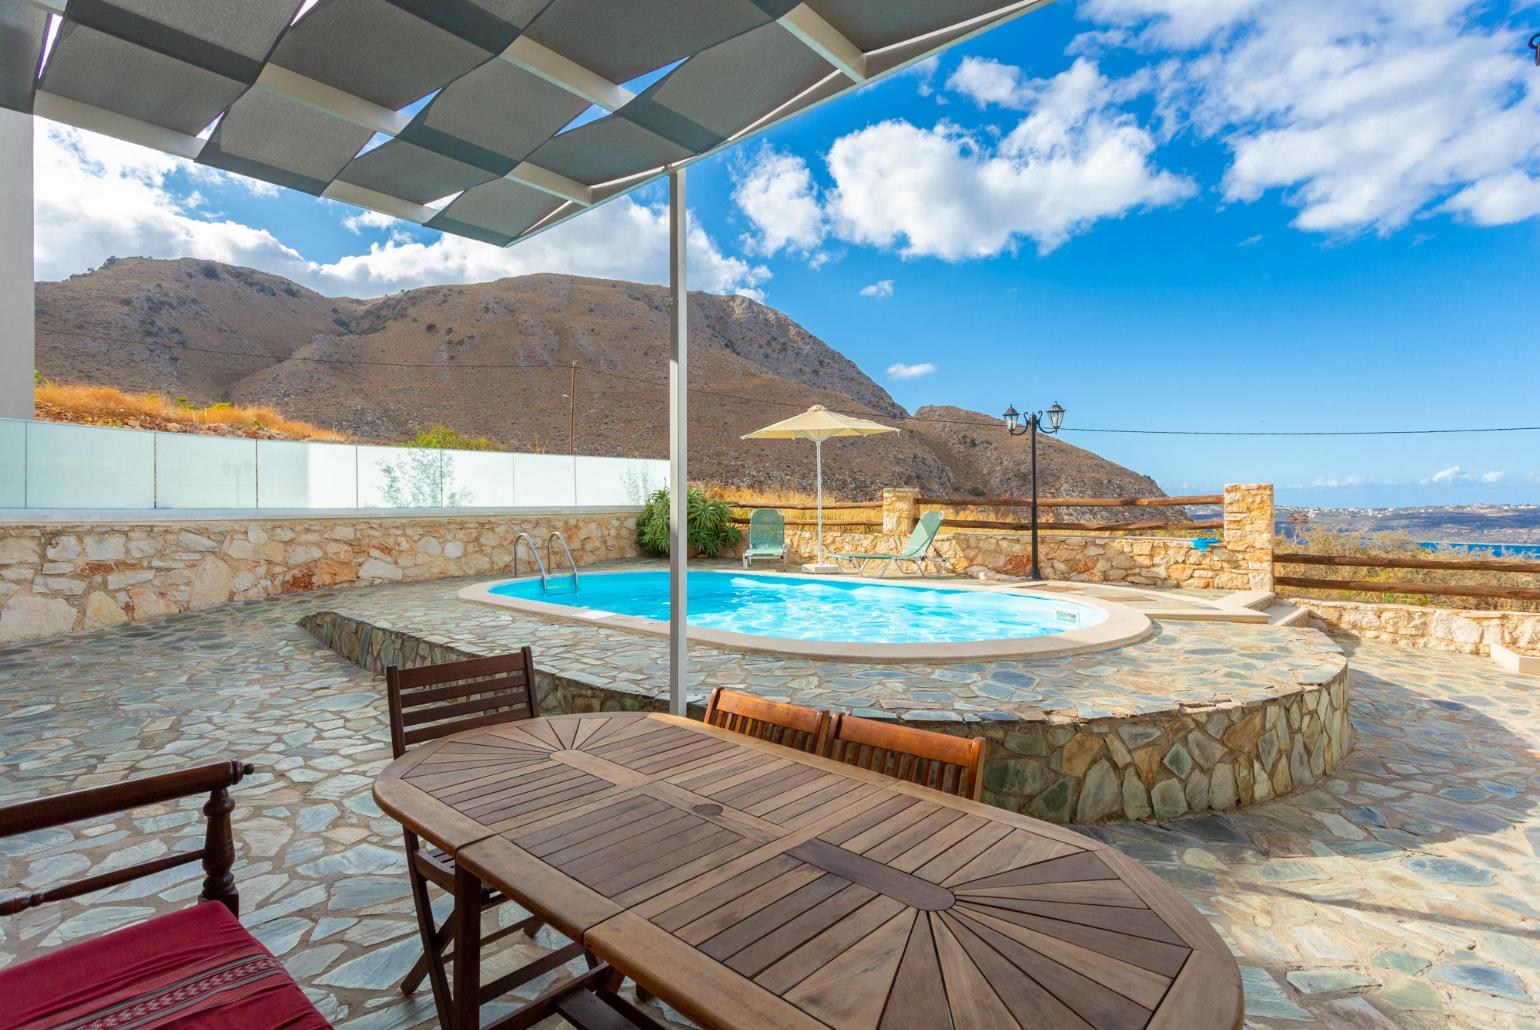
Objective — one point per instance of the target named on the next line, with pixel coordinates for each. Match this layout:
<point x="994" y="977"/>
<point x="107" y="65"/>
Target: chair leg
<point x="414" y="976"/>
<point x="433" y="942"/>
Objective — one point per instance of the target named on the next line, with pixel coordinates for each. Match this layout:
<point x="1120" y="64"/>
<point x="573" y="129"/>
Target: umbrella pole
<point x="818" y="450"/>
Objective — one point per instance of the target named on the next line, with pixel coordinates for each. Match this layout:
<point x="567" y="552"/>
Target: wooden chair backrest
<point x="433" y="701"/>
<point x="217" y="853"/>
<point x="777" y="722"/>
<point x="952" y="765"/>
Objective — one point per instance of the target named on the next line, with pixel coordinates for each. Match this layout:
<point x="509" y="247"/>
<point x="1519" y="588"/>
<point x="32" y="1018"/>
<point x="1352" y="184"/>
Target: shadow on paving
<point x="1401" y="888"/>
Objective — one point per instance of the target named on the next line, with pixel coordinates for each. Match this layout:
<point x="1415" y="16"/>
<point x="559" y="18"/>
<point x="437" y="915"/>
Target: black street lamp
<point x="1016" y="427"/>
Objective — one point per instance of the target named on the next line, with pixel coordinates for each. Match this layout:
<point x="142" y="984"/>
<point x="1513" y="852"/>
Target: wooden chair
<point x="197" y="962"/>
<point x="940" y="761"/>
<point x="431" y="702"/>
<point x="589" y="1002"/>
<point x="777" y="722"/>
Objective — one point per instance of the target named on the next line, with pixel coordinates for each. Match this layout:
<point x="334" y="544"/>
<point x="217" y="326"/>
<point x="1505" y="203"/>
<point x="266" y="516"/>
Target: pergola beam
<point x="331" y="100"/>
<point x="371" y="116"/>
<point x="566" y="73"/>
<point x="384" y="203"/>
<point x="825" y="40"/>
<point x="119" y="126"/>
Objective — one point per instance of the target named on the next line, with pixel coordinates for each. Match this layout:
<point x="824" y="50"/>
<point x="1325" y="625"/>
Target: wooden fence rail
<point x="828" y="506"/>
<point x="1074" y="502"/>
<point x="1346" y="561"/>
<point x="1370" y="586"/>
<point x="743" y="520"/>
<point x="1081" y="527"/>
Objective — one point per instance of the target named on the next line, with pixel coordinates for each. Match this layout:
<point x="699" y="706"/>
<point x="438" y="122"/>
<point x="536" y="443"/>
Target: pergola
<point x="490" y="119"/>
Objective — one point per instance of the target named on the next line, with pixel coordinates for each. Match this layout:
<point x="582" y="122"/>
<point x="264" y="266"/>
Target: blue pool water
<point x="809" y="609"/>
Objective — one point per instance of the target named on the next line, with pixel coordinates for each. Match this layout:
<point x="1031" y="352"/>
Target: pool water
<point x="818" y="609"/>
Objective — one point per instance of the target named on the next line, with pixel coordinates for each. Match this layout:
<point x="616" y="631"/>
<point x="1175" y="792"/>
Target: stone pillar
<point x="17" y="342"/>
<point x="1248" y="534"/>
<point x="900" y="510"/>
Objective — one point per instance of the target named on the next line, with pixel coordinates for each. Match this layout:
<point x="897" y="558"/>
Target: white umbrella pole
<point x="818" y="450"/>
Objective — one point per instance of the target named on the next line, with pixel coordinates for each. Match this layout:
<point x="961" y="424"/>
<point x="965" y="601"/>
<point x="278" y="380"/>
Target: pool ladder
<point x="545" y="576"/>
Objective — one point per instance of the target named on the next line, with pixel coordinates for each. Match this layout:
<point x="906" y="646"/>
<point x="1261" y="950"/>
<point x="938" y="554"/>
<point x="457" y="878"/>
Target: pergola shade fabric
<point x="490" y="119"/>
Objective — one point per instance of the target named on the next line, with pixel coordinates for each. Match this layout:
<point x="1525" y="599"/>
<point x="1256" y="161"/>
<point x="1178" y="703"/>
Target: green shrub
<point x="710" y="529"/>
<point x="449" y="439"/>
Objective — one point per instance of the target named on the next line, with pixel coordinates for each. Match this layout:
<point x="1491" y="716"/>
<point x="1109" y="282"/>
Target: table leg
<point x="467" y="955"/>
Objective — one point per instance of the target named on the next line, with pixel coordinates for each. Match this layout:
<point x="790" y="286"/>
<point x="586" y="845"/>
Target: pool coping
<point x="1123" y="625"/>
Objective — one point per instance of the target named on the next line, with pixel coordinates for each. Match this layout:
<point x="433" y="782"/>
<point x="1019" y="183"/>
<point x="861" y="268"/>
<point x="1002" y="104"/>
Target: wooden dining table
<point x="750" y="885"/>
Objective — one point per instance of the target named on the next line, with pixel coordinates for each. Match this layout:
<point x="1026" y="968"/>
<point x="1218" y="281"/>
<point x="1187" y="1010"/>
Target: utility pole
<point x="572" y="412"/>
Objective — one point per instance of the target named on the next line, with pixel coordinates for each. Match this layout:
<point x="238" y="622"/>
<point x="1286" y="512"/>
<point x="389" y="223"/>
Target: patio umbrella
<point x="818" y="424"/>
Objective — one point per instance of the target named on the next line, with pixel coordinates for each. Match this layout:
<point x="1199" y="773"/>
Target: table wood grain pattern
<point x="750" y="885"/>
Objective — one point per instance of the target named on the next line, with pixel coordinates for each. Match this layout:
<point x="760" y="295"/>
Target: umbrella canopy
<point x="818" y="424"/>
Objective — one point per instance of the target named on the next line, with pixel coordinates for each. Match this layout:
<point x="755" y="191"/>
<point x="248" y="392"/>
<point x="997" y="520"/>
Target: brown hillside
<point x="495" y="359"/>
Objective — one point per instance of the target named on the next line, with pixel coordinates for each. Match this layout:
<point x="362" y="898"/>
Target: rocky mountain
<point x="502" y="359"/>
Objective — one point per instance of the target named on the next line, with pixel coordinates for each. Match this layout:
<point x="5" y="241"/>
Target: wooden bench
<point x="195" y="967"/>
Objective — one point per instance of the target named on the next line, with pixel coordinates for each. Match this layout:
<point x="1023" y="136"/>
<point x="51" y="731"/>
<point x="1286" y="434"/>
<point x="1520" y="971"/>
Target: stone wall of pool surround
<point x="58" y="577"/>
<point x="1203" y="716"/>
<point x="1456" y="630"/>
<point x="1242" y="560"/>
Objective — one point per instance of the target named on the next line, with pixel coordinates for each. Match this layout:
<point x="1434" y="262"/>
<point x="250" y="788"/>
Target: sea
<point x="1495" y="550"/>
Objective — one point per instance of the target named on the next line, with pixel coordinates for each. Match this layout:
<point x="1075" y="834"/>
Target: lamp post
<point x="1015" y="426"/>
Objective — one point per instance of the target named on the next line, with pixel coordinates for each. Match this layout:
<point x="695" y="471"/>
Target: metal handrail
<point x="556" y="535"/>
<point x="533" y="554"/>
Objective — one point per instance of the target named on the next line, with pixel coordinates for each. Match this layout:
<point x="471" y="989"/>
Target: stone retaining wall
<point x="1242" y="560"/>
<point x="1166" y="764"/>
<point x="61" y="577"/>
<point x="1188" y="758"/>
<point x="1460" y="631"/>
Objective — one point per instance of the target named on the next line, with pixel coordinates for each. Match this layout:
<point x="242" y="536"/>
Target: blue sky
<point x="1220" y="215"/>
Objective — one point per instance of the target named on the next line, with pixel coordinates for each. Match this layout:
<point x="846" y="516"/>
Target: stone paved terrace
<point x="1195" y="716"/>
<point x="1399" y="891"/>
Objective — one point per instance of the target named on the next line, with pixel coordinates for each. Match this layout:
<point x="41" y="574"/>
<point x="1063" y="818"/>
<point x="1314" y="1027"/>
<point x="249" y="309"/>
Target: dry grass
<point x="770" y="497"/>
<point x="107" y="406"/>
<point x="1400" y="545"/>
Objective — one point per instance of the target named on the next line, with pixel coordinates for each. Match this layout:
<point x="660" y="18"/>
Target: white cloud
<point x="1337" y="482"/>
<point x="1361" y="115"/>
<point x="882" y="289"/>
<point x="900" y="371"/>
<point x="948" y="193"/>
<point x="1456" y="474"/>
<point x="361" y="220"/>
<point x="775" y="190"/>
<point x="623" y="239"/>
<point x="97" y="197"/>
<point x="1170" y="22"/>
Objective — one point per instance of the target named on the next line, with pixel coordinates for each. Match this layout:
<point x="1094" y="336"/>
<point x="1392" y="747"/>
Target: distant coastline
<point x="1514" y="528"/>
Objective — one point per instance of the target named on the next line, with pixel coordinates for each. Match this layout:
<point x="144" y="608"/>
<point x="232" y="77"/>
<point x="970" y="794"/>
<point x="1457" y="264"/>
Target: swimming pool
<point x="819" y="609"/>
<point x="825" y="615"/>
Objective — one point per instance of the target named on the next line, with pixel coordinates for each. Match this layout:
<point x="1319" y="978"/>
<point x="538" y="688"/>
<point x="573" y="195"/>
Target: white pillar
<point x="17" y="344"/>
<point x="678" y="449"/>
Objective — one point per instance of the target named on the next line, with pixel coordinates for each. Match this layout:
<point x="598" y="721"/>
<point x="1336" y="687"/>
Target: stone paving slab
<point x="1401" y="891"/>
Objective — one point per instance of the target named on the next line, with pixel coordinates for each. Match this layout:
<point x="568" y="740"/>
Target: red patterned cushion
<point x="196" y="968"/>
